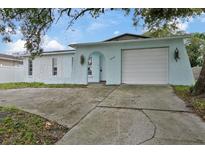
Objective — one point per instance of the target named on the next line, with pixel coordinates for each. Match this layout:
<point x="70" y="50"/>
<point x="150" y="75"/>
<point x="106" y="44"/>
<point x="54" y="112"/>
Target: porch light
<point x="82" y="59"/>
<point x="176" y="54"/>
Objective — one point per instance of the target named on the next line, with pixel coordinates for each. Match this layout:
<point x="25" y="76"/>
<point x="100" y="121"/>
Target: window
<point x="89" y="66"/>
<point x="89" y="71"/>
<point x="90" y="61"/>
<point x="30" y="67"/>
<point x="54" y="66"/>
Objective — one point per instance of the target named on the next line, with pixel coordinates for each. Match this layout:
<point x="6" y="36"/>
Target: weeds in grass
<point x="17" y="85"/>
<point x="198" y="103"/>
<point x="19" y="127"/>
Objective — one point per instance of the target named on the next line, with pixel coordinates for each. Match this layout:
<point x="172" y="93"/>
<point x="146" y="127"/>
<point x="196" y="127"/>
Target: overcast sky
<point x="88" y="29"/>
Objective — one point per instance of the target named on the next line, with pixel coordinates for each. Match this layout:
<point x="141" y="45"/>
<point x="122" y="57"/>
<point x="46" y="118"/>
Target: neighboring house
<point x="11" y="69"/>
<point x="125" y="59"/>
<point x="8" y="60"/>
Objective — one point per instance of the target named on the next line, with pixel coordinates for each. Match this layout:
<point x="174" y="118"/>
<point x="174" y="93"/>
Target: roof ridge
<point x="131" y="34"/>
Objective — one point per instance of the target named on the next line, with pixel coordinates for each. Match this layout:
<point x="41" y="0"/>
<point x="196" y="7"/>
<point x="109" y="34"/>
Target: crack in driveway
<point x="136" y="108"/>
<point x="83" y="117"/>
<point x="155" y="128"/>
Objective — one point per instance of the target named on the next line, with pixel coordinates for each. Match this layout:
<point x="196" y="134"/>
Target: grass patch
<point x="197" y="102"/>
<point x="18" y="85"/>
<point x="182" y="88"/>
<point x="19" y="127"/>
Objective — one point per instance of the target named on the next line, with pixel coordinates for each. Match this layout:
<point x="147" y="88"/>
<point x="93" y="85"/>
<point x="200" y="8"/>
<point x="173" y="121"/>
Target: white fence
<point x="11" y="74"/>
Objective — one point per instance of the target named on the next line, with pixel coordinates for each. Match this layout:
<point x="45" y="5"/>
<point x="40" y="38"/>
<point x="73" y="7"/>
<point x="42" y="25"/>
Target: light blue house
<point x="125" y="59"/>
<point x="133" y="59"/>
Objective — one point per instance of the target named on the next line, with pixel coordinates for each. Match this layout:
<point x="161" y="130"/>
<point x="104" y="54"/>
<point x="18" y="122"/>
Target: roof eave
<point x="10" y="59"/>
<point x="124" y="41"/>
<point x="54" y="53"/>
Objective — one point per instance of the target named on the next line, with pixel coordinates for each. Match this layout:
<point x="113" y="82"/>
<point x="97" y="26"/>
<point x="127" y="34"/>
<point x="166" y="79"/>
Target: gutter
<point x="47" y="53"/>
<point x="10" y="59"/>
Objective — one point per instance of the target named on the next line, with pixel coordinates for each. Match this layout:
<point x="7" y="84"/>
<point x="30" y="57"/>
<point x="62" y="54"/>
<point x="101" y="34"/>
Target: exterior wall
<point x="4" y="62"/>
<point x="180" y="72"/>
<point x="42" y="69"/>
<point x="11" y="74"/>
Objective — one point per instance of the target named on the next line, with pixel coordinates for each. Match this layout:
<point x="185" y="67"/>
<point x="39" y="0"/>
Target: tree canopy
<point x="34" y="23"/>
<point x="196" y="49"/>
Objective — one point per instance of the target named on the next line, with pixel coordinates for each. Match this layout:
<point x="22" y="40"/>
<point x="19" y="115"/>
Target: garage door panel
<point x="148" y="60"/>
<point x="143" y="69"/>
<point x="144" y="73"/>
<point x="145" y="66"/>
<point x="133" y="65"/>
<point x="158" y="53"/>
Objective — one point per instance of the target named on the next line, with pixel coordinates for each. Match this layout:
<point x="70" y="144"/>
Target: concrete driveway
<point x="113" y="114"/>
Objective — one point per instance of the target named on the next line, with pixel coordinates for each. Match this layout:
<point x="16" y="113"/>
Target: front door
<point x="94" y="68"/>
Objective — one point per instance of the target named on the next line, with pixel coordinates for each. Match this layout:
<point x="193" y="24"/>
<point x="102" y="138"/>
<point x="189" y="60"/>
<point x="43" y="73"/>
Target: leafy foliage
<point x="196" y="48"/>
<point x="164" y="31"/>
<point x="167" y="17"/>
<point x="34" y="23"/>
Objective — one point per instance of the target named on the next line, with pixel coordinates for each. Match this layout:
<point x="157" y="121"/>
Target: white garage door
<point x="145" y="66"/>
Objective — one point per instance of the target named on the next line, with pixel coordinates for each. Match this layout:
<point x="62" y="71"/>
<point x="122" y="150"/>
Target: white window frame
<point x="90" y="61"/>
<point x="54" y="66"/>
<point x="30" y="67"/>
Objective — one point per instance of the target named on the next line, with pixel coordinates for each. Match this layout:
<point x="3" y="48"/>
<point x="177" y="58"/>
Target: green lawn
<point x="17" y="85"/>
<point x="19" y="127"/>
<point x="197" y="102"/>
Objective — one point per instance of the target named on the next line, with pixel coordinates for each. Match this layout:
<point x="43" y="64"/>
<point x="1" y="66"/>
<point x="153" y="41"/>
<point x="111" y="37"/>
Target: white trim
<point x="128" y="41"/>
<point x="52" y="53"/>
<point x="10" y="59"/>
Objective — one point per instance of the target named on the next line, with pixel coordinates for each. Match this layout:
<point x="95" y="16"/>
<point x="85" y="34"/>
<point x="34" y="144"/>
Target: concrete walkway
<point x="113" y="114"/>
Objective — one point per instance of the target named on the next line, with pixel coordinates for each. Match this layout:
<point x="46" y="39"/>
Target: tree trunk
<point x="199" y="87"/>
